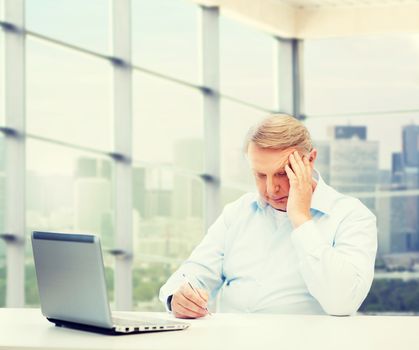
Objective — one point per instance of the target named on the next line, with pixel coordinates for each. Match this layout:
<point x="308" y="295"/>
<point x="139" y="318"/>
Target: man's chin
<point x="278" y="206"/>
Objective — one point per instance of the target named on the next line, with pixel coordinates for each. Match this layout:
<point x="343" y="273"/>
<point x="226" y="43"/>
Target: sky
<point x="69" y="94"/>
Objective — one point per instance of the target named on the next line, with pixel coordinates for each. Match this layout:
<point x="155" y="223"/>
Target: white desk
<point x="27" y="329"/>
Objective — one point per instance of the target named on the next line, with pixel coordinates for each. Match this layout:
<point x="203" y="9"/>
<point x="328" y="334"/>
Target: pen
<point x="195" y="291"/>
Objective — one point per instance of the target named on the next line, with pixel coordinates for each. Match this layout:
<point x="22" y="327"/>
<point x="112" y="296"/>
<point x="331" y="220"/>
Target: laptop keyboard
<point x="134" y="322"/>
<point x="130" y="322"/>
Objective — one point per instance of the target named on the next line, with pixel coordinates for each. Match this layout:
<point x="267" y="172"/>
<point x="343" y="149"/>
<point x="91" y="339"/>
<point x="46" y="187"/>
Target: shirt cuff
<point x="308" y="240"/>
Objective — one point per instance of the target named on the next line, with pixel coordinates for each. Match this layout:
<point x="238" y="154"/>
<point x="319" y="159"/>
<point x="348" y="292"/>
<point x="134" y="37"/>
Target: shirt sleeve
<point x="339" y="275"/>
<point x="204" y="266"/>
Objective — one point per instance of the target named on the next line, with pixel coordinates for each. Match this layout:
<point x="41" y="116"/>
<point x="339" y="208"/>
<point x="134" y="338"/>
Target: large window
<point x="168" y="224"/>
<point x="68" y="95"/>
<point x="2" y="97"/>
<point x="246" y="63"/>
<point x="363" y="114"/>
<point x="75" y="22"/>
<point x="360" y="100"/>
<point x="167" y="125"/>
<point x="2" y="168"/>
<point x="247" y="77"/>
<point x="168" y="145"/>
<point x="2" y="213"/>
<point x="236" y="121"/>
<point x="379" y="74"/>
<point x="164" y="37"/>
<point x="68" y="191"/>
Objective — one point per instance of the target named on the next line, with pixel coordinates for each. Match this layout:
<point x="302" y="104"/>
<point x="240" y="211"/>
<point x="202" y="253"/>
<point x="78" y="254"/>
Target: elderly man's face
<point x="268" y="169"/>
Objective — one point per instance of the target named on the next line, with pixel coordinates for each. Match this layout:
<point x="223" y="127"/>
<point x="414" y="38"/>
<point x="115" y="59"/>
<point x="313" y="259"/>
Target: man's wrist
<point x="300" y="219"/>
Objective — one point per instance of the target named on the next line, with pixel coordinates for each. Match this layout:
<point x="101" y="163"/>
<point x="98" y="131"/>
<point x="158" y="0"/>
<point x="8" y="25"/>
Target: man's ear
<point x="312" y="157"/>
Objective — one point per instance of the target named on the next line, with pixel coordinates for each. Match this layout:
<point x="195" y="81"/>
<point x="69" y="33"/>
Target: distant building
<point x="354" y="167"/>
<point x="397" y="168"/>
<point x="405" y="208"/>
<point x="322" y="163"/>
<point x="354" y="163"/>
<point x="138" y="183"/>
<point x="349" y="132"/>
<point x="188" y="192"/>
<point x="93" y="198"/>
<point x="384" y="221"/>
<point x="411" y="145"/>
<point x="93" y="168"/>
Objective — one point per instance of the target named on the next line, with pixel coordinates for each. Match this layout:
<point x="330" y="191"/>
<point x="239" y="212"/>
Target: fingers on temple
<point x="304" y="165"/>
<point x="290" y="173"/>
<point x="295" y="167"/>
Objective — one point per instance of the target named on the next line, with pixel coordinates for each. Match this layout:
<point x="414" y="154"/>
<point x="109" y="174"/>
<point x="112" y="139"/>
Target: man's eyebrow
<point x="282" y="167"/>
<point x="278" y="170"/>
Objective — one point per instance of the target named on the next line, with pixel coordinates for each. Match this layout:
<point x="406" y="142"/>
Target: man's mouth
<point x="279" y="199"/>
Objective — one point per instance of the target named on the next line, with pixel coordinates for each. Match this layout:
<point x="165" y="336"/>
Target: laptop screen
<point x="71" y="279"/>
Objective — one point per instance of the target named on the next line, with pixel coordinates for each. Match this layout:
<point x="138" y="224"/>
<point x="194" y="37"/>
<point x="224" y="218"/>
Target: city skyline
<point x="163" y="231"/>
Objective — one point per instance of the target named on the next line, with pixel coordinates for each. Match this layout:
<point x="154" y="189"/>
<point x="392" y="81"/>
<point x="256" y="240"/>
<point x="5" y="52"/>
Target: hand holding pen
<point x="189" y="301"/>
<point x="197" y="292"/>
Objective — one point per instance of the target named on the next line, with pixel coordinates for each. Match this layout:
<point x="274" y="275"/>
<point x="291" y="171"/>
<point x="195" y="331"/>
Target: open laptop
<point x="71" y="282"/>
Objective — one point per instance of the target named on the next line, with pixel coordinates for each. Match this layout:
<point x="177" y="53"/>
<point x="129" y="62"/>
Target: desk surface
<point x="28" y="329"/>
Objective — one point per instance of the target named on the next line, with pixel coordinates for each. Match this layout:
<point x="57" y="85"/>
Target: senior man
<point x="297" y="246"/>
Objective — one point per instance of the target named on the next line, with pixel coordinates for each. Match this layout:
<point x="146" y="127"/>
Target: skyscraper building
<point x="349" y="132"/>
<point x="384" y="222"/>
<point x="139" y="193"/>
<point x="410" y="138"/>
<point x="354" y="163"/>
<point x="93" y="198"/>
<point x="405" y="208"/>
<point x="188" y="155"/>
<point x="397" y="168"/>
<point x="322" y="163"/>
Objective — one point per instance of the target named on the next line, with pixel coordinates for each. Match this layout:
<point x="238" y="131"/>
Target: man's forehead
<point x="271" y="159"/>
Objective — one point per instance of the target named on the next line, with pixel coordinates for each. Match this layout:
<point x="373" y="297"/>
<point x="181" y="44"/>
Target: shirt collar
<point x="321" y="200"/>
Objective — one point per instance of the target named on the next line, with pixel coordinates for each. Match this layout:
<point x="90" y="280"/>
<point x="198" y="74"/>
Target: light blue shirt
<point x="254" y="261"/>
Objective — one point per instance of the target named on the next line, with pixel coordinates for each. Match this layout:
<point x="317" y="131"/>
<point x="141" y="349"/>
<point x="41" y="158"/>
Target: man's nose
<point x="272" y="186"/>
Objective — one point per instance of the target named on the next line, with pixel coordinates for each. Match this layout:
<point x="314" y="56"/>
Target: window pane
<point x="361" y="74"/>
<point x="68" y="96"/>
<point x="78" y="22"/>
<point x="68" y="191"/>
<point x="148" y="277"/>
<point x="2" y="81"/>
<point x="375" y="137"/>
<point x="168" y="125"/>
<point x="376" y="159"/>
<point x="396" y="285"/>
<point x="164" y="37"/>
<point x="168" y="224"/>
<point x="393" y="293"/>
<point x="246" y="63"/>
<point x="230" y="194"/>
<point x="2" y="278"/>
<point x="236" y="121"/>
<point x="2" y="215"/>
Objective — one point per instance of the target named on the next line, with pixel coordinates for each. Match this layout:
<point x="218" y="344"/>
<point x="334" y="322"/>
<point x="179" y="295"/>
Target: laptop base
<point x="89" y="328"/>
